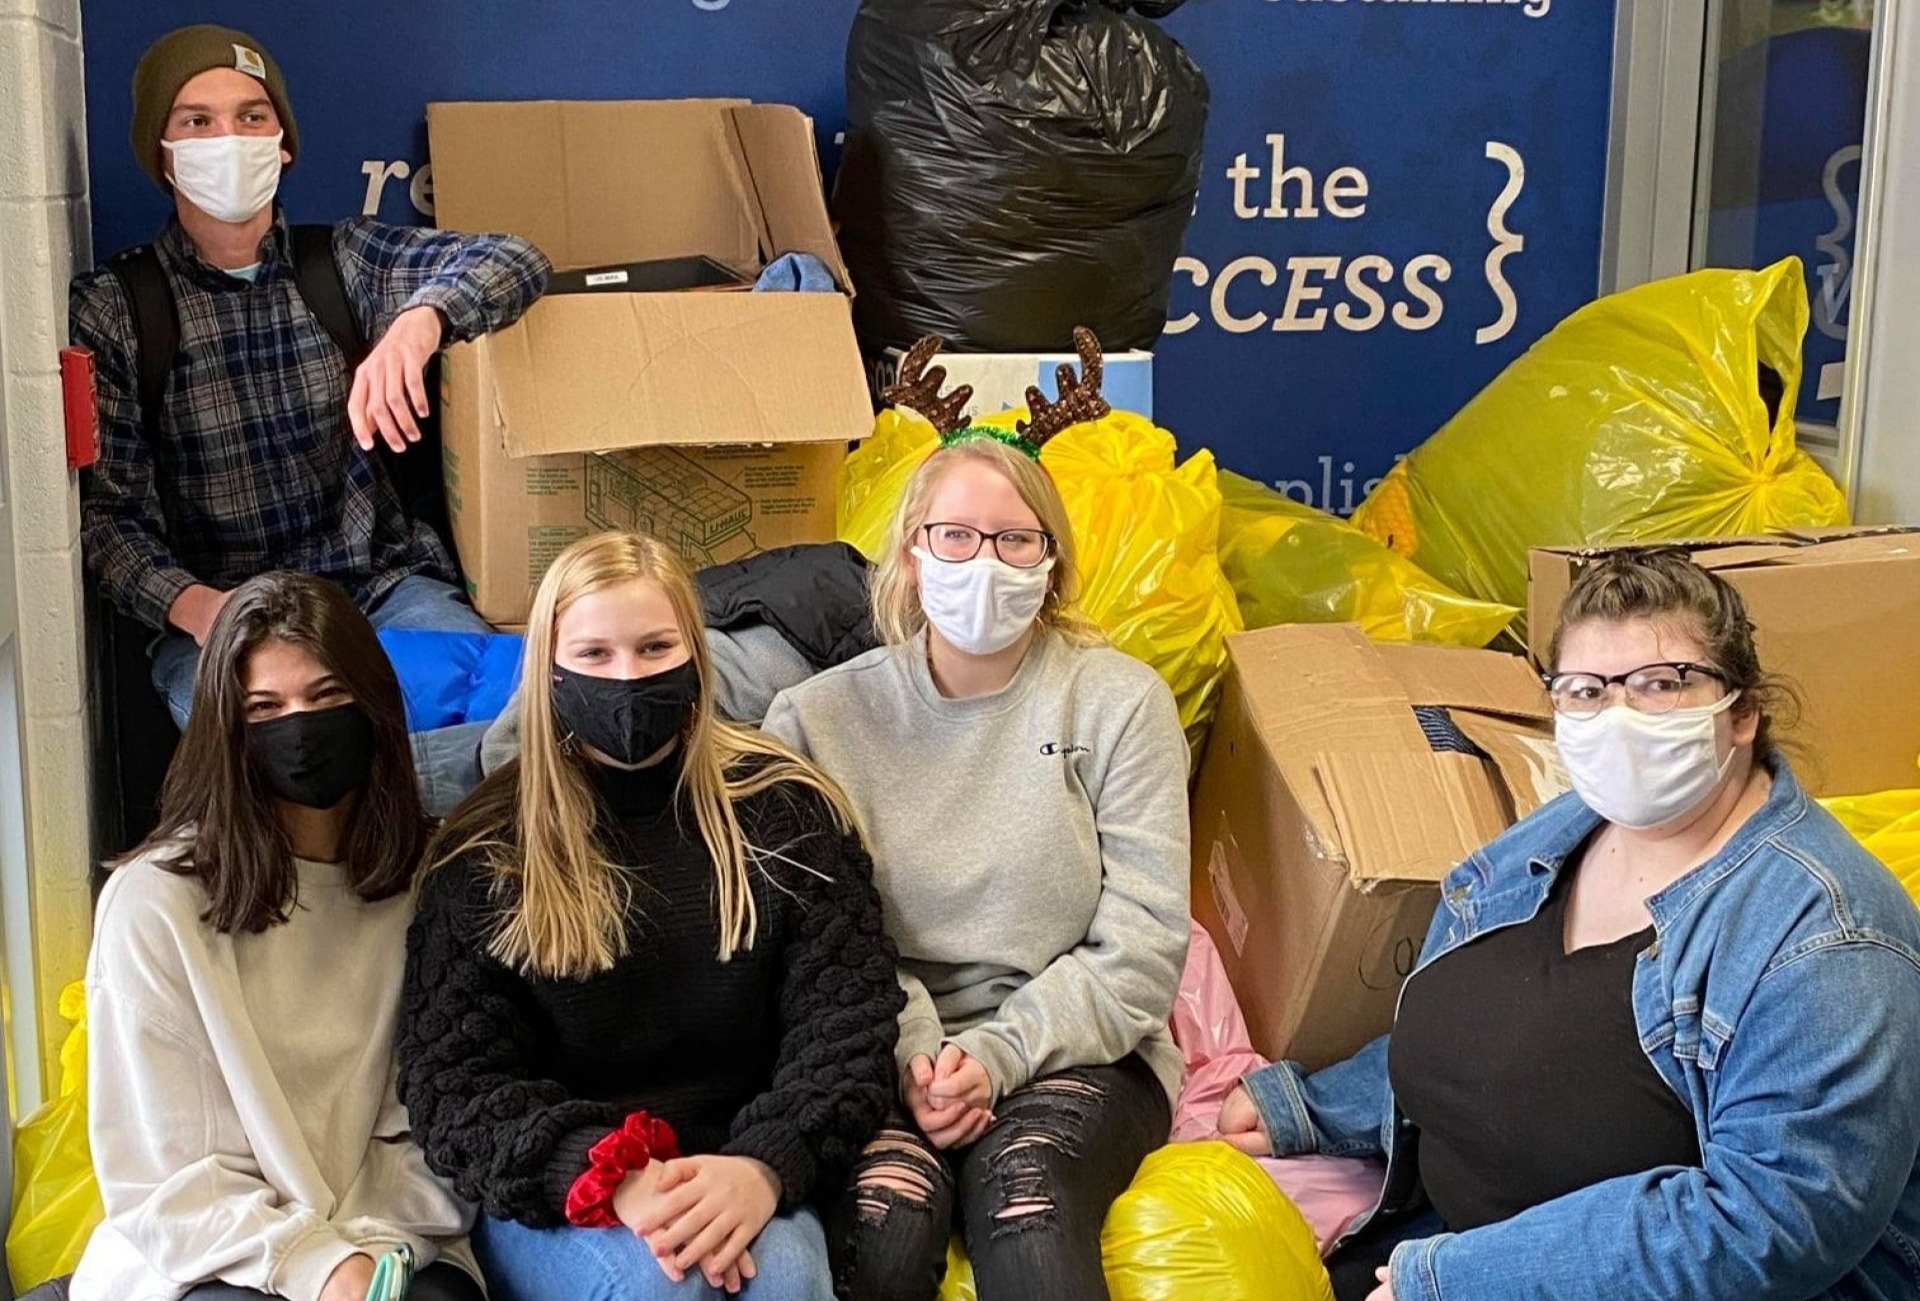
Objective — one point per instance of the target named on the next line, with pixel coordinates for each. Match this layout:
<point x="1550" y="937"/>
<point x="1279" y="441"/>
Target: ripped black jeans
<point x="1032" y="1194"/>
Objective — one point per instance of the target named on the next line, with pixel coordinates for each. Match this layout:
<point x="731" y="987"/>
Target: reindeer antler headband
<point x="918" y="390"/>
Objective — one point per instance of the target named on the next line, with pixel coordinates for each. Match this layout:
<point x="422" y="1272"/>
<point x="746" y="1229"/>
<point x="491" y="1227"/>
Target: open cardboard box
<point x="1324" y="818"/>
<point x="1836" y="612"/>
<point x="716" y="421"/>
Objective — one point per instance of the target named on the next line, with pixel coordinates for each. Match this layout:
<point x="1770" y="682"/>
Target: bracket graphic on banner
<point x="1399" y="196"/>
<point x="1505" y="243"/>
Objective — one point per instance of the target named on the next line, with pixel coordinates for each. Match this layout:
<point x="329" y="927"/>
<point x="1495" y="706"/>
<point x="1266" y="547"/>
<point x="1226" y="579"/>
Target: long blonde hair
<point x="897" y="615"/>
<point x="537" y="818"/>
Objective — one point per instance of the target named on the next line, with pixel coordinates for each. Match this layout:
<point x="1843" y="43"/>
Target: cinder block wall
<point x="44" y="236"/>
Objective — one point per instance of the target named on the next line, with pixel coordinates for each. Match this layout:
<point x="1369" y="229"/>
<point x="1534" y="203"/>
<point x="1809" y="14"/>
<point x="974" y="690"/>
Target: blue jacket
<point x="1780" y="999"/>
<point x="449" y="678"/>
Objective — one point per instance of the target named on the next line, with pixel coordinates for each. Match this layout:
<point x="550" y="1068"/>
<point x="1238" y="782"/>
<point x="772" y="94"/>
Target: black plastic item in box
<point x="661" y="276"/>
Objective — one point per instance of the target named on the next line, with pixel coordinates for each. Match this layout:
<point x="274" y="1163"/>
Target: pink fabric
<point x="1331" y="1192"/>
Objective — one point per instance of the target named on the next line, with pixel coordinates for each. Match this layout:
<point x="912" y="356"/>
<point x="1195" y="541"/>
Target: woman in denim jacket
<point x="1664" y="1039"/>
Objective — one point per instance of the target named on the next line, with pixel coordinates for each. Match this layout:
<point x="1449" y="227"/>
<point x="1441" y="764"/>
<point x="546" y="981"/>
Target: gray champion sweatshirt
<point x="1030" y="847"/>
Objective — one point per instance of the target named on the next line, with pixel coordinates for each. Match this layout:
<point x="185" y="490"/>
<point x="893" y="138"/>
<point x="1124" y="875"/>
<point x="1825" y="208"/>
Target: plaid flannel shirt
<point x="254" y="467"/>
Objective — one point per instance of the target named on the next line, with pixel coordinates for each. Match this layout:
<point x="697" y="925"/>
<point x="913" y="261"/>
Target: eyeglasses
<point x="958" y="543"/>
<point x="1651" y="688"/>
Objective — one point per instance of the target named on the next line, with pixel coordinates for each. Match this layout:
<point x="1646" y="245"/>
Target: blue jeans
<point x="572" y="1264"/>
<point x="447" y="759"/>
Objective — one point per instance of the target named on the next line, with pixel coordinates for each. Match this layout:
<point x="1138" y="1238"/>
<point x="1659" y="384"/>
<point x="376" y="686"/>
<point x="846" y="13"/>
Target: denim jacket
<point x="1780" y="999"/>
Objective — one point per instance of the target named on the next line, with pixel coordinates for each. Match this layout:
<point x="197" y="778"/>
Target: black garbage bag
<point x="1014" y="168"/>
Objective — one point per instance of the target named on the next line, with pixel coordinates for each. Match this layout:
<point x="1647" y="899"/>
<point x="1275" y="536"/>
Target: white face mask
<point x="1640" y="770"/>
<point x="230" y="178"/>
<point x="984" y="605"/>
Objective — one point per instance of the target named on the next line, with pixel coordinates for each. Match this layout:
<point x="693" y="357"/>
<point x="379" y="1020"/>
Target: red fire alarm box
<point x="82" y="409"/>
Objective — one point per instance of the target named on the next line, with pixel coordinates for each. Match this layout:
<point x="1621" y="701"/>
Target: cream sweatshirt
<point x="1030" y="848"/>
<point x="243" y="1114"/>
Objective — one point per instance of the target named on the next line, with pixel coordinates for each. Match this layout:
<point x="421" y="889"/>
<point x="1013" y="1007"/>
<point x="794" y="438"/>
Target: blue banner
<point x="1399" y="196"/>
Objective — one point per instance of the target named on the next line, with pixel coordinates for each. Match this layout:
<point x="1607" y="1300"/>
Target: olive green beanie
<point x="180" y="56"/>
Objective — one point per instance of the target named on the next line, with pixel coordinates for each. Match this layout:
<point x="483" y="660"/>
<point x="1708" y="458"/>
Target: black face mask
<point x="316" y="757"/>
<point x="626" y="719"/>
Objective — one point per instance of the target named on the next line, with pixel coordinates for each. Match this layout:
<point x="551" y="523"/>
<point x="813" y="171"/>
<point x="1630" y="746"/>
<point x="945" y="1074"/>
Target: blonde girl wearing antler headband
<point x="1023" y="787"/>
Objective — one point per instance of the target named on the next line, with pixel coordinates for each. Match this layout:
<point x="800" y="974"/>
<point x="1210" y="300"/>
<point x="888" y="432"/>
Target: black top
<point x="1521" y="1065"/>
<point x="784" y="1054"/>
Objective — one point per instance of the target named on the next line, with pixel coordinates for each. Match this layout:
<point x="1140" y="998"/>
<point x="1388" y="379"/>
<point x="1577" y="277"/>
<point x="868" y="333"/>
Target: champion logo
<point x="249" y="62"/>
<point x="1054" y="747"/>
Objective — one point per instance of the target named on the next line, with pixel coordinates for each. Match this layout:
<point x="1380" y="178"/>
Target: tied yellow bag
<point x="1200" y="1220"/>
<point x="1290" y="563"/>
<point x="56" y="1202"/>
<point x="1641" y="416"/>
<point x="1147" y="533"/>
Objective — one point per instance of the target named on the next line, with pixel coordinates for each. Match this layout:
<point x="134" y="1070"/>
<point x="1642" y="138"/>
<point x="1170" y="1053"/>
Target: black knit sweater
<point x="784" y="1054"/>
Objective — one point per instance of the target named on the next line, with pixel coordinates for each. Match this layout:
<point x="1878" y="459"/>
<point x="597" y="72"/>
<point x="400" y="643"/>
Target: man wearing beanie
<point x="262" y="454"/>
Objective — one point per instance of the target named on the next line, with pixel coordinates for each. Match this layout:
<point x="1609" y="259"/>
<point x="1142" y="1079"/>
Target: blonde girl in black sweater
<point x="650" y="1006"/>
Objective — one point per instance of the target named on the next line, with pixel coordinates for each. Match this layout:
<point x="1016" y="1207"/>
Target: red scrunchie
<point x="641" y="1139"/>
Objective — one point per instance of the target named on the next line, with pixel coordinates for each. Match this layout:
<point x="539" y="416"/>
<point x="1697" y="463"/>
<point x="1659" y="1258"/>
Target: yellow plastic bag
<point x="1200" y="1221"/>
<point x="1640" y="416"/>
<point x="958" y="1284"/>
<point x="1290" y="563"/>
<point x="56" y="1202"/>
<point x="874" y="478"/>
<point x="1147" y="532"/>
<point x="1149" y="540"/>
<point x="1888" y="824"/>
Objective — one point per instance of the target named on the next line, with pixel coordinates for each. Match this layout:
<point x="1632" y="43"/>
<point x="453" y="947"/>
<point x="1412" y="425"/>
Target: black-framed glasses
<point x="1651" y="688"/>
<point x="959" y="543"/>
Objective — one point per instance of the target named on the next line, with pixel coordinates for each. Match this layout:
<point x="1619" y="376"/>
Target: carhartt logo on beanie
<point x="180" y="56"/>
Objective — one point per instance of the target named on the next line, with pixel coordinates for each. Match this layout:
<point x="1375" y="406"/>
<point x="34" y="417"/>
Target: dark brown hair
<point x="217" y="820"/>
<point x="1665" y="585"/>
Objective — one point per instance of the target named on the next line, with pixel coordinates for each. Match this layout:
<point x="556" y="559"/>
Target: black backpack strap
<point x="156" y="320"/>
<point x="317" y="276"/>
<point x="416" y="476"/>
<point x="156" y="327"/>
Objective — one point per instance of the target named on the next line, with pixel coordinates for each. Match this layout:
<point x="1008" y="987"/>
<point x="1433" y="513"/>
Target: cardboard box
<point x="1837" y="613"/>
<point x="512" y="515"/>
<point x="1324" y="817"/>
<point x="717" y="420"/>
<point x="1000" y="379"/>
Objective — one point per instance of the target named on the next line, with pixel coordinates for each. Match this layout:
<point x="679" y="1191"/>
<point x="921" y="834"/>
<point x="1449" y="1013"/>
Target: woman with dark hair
<point x="1664" y="1040"/>
<point x="244" y="985"/>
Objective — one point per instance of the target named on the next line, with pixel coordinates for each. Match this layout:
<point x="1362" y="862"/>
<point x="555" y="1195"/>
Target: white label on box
<point x="1225" y="900"/>
<point x="600" y="278"/>
<point x="1833" y="381"/>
